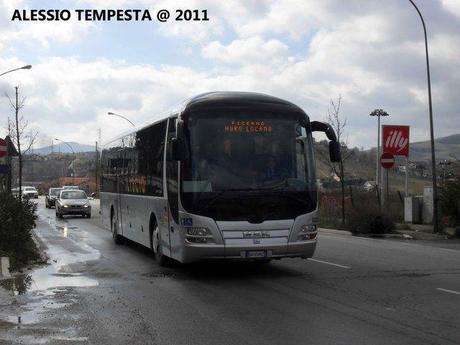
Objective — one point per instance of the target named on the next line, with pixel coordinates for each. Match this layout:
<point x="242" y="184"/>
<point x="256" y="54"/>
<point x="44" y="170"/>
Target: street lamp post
<point x="75" y="156"/>
<point x="15" y="69"/>
<point x="9" y="175"/>
<point x="123" y="117"/>
<point x="378" y="113"/>
<point x="430" y="106"/>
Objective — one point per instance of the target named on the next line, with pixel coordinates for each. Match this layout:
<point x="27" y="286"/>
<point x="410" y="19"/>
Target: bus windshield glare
<point x="265" y="157"/>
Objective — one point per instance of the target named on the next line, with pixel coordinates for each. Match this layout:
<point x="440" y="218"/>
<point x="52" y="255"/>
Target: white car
<point x="73" y="202"/>
<point x="29" y="192"/>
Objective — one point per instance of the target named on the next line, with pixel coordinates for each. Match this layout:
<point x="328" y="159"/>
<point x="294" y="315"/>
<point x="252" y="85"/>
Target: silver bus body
<point x="187" y="236"/>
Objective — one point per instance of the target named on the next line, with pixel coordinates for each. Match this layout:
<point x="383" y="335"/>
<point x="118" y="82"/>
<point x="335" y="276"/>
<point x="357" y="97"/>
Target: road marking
<point x="449" y="291"/>
<point x="330" y="263"/>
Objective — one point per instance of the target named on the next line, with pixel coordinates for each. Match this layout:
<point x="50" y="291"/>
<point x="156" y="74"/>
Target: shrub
<point x="450" y="202"/>
<point x="368" y="219"/>
<point x="16" y="222"/>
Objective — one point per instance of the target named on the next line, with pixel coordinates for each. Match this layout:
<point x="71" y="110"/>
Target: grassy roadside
<point x="16" y="223"/>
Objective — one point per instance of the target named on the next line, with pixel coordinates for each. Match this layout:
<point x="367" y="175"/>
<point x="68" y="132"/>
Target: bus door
<point x="172" y="192"/>
<point x="119" y="187"/>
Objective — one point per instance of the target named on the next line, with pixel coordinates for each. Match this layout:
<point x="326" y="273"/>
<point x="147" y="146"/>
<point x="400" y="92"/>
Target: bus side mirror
<point x="334" y="146"/>
<point x="334" y="151"/>
<point x="324" y="127"/>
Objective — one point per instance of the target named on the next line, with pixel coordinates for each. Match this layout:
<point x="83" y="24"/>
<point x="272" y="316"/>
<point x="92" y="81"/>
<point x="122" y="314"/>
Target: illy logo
<point x="396" y="140"/>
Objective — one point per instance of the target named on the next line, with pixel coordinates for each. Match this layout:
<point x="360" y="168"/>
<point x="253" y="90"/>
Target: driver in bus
<point x="225" y="161"/>
<point x="271" y="171"/>
<point x="200" y="165"/>
<point x="276" y="170"/>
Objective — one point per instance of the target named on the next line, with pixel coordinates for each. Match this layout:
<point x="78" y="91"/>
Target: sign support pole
<point x="387" y="171"/>
<point x="406" y="180"/>
<point x="384" y="188"/>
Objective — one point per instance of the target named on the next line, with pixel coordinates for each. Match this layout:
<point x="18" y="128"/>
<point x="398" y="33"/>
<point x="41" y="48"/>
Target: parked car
<point x="73" y="202"/>
<point x="50" y="199"/>
<point x="71" y="187"/>
<point x="15" y="191"/>
<point x="29" y="192"/>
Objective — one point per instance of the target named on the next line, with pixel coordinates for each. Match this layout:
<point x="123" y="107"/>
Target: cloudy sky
<point x="370" y="52"/>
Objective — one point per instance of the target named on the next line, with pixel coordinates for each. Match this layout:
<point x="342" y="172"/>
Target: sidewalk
<point x="419" y="232"/>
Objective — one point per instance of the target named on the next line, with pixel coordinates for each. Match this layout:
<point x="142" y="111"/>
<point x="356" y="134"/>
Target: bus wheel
<point x="118" y="239"/>
<point x="155" y="241"/>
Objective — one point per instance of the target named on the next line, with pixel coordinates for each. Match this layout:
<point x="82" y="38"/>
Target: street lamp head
<point x="379" y="112"/>
<point x="123" y="117"/>
<point x="26" y="67"/>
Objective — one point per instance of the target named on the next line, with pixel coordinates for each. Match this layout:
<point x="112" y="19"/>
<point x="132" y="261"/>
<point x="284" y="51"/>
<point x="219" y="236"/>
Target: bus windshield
<point x="258" y="156"/>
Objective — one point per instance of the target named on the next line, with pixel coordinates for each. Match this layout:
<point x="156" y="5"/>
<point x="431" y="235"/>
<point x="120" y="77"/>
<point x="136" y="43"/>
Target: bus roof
<point x="237" y="98"/>
<point x="216" y="98"/>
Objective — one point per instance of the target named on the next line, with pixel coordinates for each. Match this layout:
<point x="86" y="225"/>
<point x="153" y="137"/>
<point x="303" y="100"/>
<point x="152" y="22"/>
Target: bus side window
<point x="149" y="147"/>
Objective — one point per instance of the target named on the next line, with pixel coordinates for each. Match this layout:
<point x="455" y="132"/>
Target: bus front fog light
<point x="197" y="231"/>
<point x="198" y="235"/>
<point x="307" y="232"/>
<point x="308" y="228"/>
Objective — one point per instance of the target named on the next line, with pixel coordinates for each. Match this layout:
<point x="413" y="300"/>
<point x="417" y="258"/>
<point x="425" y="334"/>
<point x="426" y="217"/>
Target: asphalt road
<point x="354" y="291"/>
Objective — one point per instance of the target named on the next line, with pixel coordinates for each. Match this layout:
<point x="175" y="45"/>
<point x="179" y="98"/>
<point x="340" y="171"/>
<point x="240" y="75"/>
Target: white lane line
<point x="330" y="263"/>
<point x="449" y="291"/>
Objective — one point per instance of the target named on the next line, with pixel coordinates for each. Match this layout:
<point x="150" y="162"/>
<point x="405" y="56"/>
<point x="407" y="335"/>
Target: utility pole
<point x="98" y="161"/>
<point x="97" y="170"/>
<point x="16" y="109"/>
<point x="9" y="161"/>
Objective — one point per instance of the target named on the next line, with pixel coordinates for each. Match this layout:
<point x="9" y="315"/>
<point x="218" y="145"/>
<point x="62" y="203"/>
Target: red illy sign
<point x="395" y="140"/>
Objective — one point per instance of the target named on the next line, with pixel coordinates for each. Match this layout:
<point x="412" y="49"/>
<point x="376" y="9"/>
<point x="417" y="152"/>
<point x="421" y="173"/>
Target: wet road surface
<point x="354" y="291"/>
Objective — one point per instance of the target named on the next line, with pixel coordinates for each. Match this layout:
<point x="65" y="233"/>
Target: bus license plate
<point x="256" y="254"/>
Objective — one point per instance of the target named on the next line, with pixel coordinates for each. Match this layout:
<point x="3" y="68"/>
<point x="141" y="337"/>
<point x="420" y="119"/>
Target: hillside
<point x="63" y="148"/>
<point x="446" y="147"/>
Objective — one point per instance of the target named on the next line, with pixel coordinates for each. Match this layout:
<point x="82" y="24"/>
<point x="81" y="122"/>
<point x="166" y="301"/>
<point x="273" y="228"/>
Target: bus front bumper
<point x="197" y="252"/>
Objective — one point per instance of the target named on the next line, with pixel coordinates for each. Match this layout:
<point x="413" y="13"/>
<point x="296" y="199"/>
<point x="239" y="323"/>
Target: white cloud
<point x="452" y="6"/>
<point x="246" y="51"/>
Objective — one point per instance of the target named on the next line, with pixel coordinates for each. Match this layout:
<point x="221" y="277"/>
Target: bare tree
<point x="21" y="136"/>
<point x="339" y="124"/>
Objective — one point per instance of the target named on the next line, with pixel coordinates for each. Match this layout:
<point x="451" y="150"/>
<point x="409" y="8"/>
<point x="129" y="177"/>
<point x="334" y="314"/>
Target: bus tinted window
<point x="150" y="148"/>
<point x="134" y="163"/>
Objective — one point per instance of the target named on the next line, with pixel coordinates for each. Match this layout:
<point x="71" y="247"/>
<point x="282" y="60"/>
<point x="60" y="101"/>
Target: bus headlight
<point x="198" y="235"/>
<point x="307" y="232"/>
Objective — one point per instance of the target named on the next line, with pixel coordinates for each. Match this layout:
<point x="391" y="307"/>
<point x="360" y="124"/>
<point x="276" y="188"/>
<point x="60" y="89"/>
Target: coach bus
<point x="231" y="175"/>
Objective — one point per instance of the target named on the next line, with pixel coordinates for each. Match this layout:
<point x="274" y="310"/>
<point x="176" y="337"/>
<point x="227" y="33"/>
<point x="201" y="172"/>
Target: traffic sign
<point x="387" y="160"/>
<point x="3" y="148"/>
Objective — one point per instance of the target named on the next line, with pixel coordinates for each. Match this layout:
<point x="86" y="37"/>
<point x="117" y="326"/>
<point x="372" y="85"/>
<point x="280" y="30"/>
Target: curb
<point x="335" y="231"/>
<point x="41" y="247"/>
<point x="348" y="233"/>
